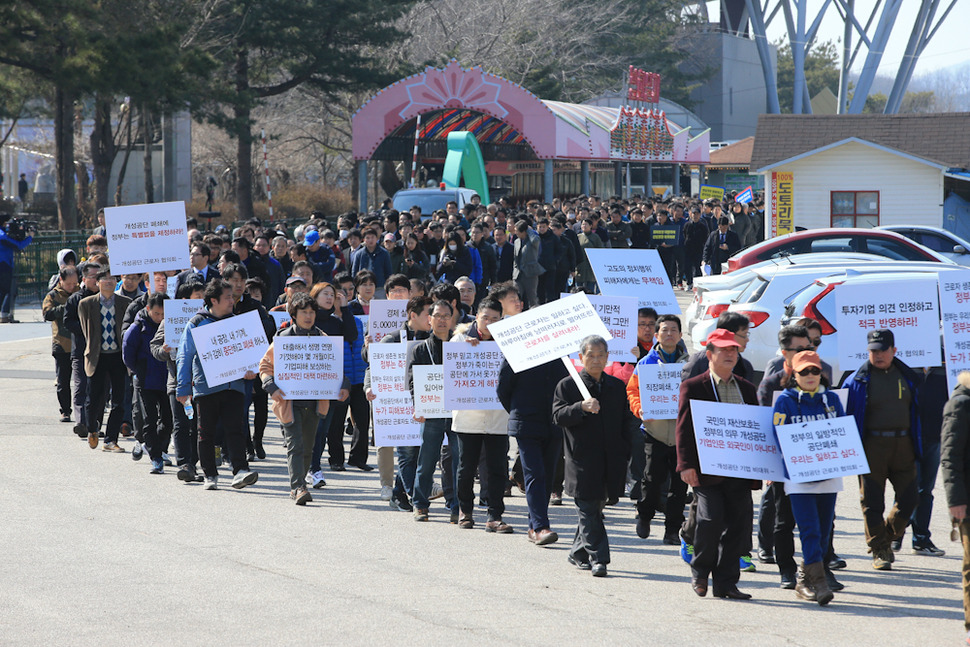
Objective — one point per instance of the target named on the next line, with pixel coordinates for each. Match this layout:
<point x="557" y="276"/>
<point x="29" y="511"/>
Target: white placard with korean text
<point x="634" y="273"/>
<point x="429" y="391"/>
<point x="386" y="316"/>
<point x="548" y="332"/>
<point x="308" y="368"/>
<point x="736" y="440"/>
<point x="394" y="423"/>
<point x="822" y="449"/>
<point x="471" y="375"/>
<point x="177" y="315"/>
<point x="231" y="347"/>
<point x="172" y="286"/>
<point x="659" y="390"/>
<point x="955" y="317"/>
<point x="909" y="308"/>
<point x="147" y="237"/>
<point x="280" y="317"/>
<point x="619" y="315"/>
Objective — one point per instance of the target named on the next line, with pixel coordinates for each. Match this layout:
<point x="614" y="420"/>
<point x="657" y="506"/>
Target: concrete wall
<point x="909" y="192"/>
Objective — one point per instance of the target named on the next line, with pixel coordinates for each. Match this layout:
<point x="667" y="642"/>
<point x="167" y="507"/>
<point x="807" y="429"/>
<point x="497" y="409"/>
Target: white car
<point x="714" y="294"/>
<point x="941" y="241"/>
<point x="818" y="301"/>
<point x="763" y="301"/>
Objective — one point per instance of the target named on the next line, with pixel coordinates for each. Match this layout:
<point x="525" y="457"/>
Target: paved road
<point x="99" y="552"/>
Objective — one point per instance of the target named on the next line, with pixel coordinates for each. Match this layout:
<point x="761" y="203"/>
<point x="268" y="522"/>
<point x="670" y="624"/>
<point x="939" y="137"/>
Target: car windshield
<point x="428" y="201"/>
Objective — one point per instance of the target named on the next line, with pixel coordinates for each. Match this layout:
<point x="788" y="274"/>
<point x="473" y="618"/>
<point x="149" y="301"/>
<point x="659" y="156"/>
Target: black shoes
<point x="731" y="594"/>
<point x="643" y="528"/>
<point x="581" y="565"/>
<point x="363" y="467"/>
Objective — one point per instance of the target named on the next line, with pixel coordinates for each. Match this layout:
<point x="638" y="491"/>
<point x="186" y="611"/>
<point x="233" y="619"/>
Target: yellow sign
<point x="715" y="192"/>
<point x="782" y="204"/>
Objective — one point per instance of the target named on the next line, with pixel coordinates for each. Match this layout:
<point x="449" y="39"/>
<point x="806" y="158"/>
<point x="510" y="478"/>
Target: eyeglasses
<point x="797" y="350"/>
<point x="811" y="370"/>
<point x="441" y="316"/>
<point x="817" y="342"/>
<point x="740" y="336"/>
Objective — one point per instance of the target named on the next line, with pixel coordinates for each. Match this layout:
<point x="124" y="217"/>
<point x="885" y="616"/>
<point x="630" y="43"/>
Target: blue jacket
<point x="858" y="385"/>
<point x="324" y="260"/>
<point x="378" y="262"/>
<point x="794" y="406"/>
<point x="476" y="274"/>
<point x="8" y="246"/>
<point x="148" y="373"/>
<point x="354" y="364"/>
<point x="190" y="377"/>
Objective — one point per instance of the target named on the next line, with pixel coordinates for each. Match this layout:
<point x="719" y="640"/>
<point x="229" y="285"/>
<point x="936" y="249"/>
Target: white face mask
<point x="344" y="233"/>
<point x="453" y="247"/>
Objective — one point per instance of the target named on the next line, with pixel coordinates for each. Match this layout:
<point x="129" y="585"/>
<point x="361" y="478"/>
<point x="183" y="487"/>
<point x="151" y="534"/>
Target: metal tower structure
<point x="751" y="18"/>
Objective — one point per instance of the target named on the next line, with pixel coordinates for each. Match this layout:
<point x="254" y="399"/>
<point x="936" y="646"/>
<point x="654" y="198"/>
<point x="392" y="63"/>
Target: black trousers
<point x="783" y="531"/>
<point x="109" y="373"/>
<point x="723" y="531"/>
<point x="155" y="413"/>
<point x="360" y="415"/>
<point x="79" y="390"/>
<point x="226" y="407"/>
<point x="62" y="371"/>
<point x="185" y="434"/>
<point x="590" y="543"/>
<point x="496" y="450"/>
<point x="661" y="466"/>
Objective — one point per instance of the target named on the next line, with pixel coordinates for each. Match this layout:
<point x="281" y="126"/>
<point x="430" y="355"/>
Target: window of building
<point x="855" y="208"/>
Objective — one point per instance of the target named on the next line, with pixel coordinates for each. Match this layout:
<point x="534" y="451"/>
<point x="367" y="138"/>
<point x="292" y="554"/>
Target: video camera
<point x="17" y="228"/>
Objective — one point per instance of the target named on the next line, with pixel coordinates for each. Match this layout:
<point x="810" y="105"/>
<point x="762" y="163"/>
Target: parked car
<point x="818" y="301"/>
<point x="836" y="239"/>
<point x="763" y="301"/>
<point x="944" y="242"/>
<point x="713" y="294"/>
<point x="430" y="199"/>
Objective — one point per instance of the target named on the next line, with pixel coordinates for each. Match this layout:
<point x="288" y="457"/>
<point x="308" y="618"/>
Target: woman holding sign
<point x="812" y="504"/>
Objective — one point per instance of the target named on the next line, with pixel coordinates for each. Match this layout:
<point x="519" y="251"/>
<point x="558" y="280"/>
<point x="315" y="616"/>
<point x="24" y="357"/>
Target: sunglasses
<point x="811" y="370"/>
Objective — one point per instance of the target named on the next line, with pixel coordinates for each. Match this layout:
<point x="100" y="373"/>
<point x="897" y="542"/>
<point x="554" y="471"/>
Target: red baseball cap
<point x="722" y="338"/>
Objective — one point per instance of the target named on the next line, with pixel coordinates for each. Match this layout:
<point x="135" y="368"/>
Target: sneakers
<point x="244" y="478"/>
<point x="927" y="548"/>
<point x="81" y="430"/>
<point x="401" y="503"/>
<point x="387" y="492"/>
<point x="315" y="479"/>
<point x="882" y="560"/>
<point x="746" y="565"/>
<point x="420" y="514"/>
<point x="436" y="491"/>
<point x="212" y="482"/>
<point x="686" y="551"/>
<point x="186" y="474"/>
<point x="836" y="563"/>
<point x="158" y="467"/>
<point x="137" y="451"/>
<point x="555" y="498"/>
<point x="301" y="495"/>
<point x="897" y="544"/>
<point x="111" y="447"/>
<point x="166" y="459"/>
<point x="766" y="556"/>
<point x="65" y="417"/>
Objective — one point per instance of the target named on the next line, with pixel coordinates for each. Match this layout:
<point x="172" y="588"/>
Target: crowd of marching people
<point x="460" y="271"/>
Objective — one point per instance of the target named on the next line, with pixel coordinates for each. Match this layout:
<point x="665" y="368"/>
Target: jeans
<point x="496" y="448"/>
<point x="407" y="465"/>
<point x="62" y="370"/>
<point x="79" y="381"/>
<point x="926" y="470"/>
<point x="433" y="431"/>
<point x="226" y="407"/>
<point x="539" y="456"/>
<point x="185" y="434"/>
<point x="590" y="543"/>
<point x="814" y="514"/>
<point x="109" y="373"/>
<point x="324" y="426"/>
<point x="299" y="436"/>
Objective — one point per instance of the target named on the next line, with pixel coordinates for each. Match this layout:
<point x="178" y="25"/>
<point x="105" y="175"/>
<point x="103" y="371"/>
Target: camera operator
<point x="15" y="235"/>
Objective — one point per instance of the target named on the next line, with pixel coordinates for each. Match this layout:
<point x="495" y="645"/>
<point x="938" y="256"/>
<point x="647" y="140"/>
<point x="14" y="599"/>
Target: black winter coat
<point x="528" y="395"/>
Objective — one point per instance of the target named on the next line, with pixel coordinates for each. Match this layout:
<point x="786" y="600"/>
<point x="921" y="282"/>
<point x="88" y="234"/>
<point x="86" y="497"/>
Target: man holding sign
<point x="223" y="403"/>
<point x="724" y="513"/>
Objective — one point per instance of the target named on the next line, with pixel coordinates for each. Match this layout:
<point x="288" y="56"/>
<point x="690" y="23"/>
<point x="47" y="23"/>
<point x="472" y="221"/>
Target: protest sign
<point x="634" y="273"/>
<point x="910" y="309"/>
<point x="308" y="368"/>
<point x="394" y="424"/>
<point x="171" y="286"/>
<point x="955" y="317"/>
<point x="279" y="317"/>
<point x="745" y="196"/>
<point x="177" y="314"/>
<point x="548" y="332"/>
<point x="736" y="440"/>
<point x="822" y="449"/>
<point x="669" y="234"/>
<point x="386" y="317"/>
<point x="229" y="348"/>
<point x="712" y="192"/>
<point x="619" y="315"/>
<point x="471" y="375"/>
<point x="659" y="390"/>
<point x="147" y="237"/>
<point x="429" y="387"/>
